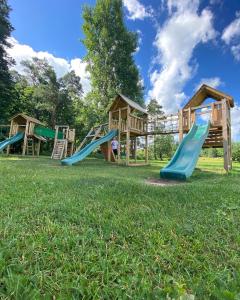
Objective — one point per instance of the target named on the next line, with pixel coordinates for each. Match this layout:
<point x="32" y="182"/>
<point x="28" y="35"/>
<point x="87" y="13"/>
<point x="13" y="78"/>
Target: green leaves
<point x="110" y="53"/>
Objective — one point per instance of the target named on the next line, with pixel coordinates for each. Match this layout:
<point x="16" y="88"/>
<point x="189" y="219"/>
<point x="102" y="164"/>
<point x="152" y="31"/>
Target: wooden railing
<point x="135" y="123"/>
<point x="212" y="112"/>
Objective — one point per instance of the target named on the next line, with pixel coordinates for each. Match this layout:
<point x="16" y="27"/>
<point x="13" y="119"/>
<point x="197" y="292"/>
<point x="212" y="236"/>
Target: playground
<point x="99" y="231"/>
<point x="205" y="125"/>
<point x="119" y="150"/>
<point x="104" y="228"/>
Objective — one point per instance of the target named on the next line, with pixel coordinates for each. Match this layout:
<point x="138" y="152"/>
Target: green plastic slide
<point x="83" y="153"/>
<point x="183" y="163"/>
<point x="12" y="140"/>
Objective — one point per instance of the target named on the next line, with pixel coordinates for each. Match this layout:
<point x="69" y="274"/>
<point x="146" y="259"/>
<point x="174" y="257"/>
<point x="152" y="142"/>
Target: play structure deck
<point x="128" y="121"/>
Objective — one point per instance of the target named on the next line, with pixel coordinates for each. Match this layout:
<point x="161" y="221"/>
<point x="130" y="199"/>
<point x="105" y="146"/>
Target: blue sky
<point x="181" y="44"/>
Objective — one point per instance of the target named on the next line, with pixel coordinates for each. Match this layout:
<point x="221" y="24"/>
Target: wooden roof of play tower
<point x="205" y="92"/>
<point x="122" y="101"/>
<point x="22" y="119"/>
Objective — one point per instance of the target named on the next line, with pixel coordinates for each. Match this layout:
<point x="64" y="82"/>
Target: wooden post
<point x="25" y="138"/>
<point x="212" y="118"/>
<point x="109" y="142"/>
<point x="135" y="149"/>
<point x="229" y="137"/>
<point x="119" y="135"/>
<point x="38" y="147"/>
<point x="128" y="136"/>
<point x="180" y="125"/>
<point x="146" y="148"/>
<point x="10" y="134"/>
<point x="146" y="141"/>
<point x="189" y="118"/>
<point x="226" y="139"/>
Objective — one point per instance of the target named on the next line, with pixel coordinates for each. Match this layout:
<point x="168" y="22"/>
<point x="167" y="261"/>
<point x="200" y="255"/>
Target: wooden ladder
<point x="30" y="146"/>
<point x="58" y="149"/>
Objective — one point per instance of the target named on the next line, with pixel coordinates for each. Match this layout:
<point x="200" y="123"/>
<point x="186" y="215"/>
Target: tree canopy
<point x="110" y="49"/>
<point x="5" y="76"/>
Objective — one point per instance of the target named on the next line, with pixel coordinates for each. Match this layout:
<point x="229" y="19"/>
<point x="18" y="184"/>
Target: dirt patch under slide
<point x="164" y="182"/>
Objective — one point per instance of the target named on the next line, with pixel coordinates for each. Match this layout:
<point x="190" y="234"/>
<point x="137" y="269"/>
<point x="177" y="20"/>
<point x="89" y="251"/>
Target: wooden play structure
<point x="26" y="124"/>
<point x="132" y="121"/>
<point x="34" y="132"/>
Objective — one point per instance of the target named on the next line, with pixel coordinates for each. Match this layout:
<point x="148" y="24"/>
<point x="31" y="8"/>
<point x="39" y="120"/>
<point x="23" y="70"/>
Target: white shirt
<point x="114" y="144"/>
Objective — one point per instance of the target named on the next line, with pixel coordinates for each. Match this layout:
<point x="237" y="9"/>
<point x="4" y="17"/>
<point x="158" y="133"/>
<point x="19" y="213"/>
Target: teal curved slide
<point x="12" y="140"/>
<point x="83" y="153"/>
<point x="183" y="163"/>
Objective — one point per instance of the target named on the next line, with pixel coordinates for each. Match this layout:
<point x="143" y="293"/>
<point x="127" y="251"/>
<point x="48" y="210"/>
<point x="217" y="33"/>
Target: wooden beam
<point x="25" y="139"/>
<point x="128" y="137"/>
<point x="10" y="134"/>
<point x="109" y="142"/>
<point x="119" y="135"/>
<point x="146" y="149"/>
<point x="180" y="125"/>
<point x="226" y="148"/>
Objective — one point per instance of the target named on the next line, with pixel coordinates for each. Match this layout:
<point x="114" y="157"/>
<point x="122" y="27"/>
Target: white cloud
<point x="236" y="51"/>
<point x="182" y="6"/>
<point x="79" y="67"/>
<point x="140" y="34"/>
<point x="232" y="31"/>
<point x="235" y="120"/>
<point x="231" y="36"/>
<point x="216" y="2"/>
<point x="137" y="10"/>
<point x="20" y="52"/>
<point x="214" y="82"/>
<point x="175" y="42"/>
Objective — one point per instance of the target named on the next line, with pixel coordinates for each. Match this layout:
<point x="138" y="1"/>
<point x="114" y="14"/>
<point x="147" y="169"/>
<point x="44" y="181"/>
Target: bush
<point x="236" y="152"/>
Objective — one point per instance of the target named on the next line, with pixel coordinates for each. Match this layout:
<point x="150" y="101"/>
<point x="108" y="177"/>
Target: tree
<point x="154" y="108"/>
<point x="164" y="146"/>
<point x="41" y="94"/>
<point x="156" y="112"/>
<point x="236" y="152"/>
<point x="5" y="77"/>
<point x="110" y="54"/>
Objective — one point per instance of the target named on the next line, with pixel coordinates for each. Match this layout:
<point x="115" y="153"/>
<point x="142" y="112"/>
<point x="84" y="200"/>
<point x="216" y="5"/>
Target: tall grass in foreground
<point x="97" y="231"/>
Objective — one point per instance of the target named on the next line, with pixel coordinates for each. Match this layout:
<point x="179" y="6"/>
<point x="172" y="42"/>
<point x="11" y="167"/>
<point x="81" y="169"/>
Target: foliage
<point x="41" y="94"/>
<point x="5" y="77"/>
<point x="97" y="231"/>
<point x="156" y="112"/>
<point x="212" y="152"/>
<point x="110" y="49"/>
<point x="236" y="152"/>
<point x="163" y="147"/>
<point x="154" y="108"/>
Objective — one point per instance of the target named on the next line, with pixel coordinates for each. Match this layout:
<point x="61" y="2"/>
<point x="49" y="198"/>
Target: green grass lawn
<point x="97" y="231"/>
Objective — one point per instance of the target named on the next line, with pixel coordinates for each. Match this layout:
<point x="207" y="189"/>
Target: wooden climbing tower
<point x="217" y="111"/>
<point x="26" y="124"/>
<point x="131" y="121"/>
<point x="63" y="142"/>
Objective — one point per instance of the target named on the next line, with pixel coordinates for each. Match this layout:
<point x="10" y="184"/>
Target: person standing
<point x="114" y="145"/>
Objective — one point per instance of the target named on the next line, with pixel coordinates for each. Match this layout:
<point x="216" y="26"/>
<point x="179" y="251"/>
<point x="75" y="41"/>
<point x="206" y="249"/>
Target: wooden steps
<point x="30" y="146"/>
<point x="58" y="150"/>
<point x="214" y="139"/>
